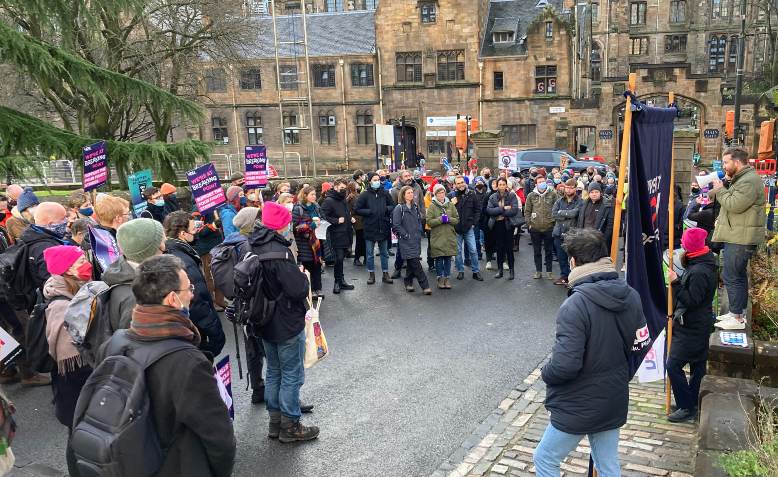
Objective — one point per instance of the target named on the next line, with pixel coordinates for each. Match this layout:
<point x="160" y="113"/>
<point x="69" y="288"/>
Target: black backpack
<point x="114" y="434"/>
<point x="36" y="344"/>
<point x="15" y="283"/>
<point x="254" y="300"/>
<point x="5" y="239"/>
<point x="224" y="257"/>
<point x="99" y="329"/>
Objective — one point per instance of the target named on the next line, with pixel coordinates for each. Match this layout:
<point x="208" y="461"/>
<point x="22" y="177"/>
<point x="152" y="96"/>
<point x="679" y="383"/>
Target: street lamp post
<point x="741" y="47"/>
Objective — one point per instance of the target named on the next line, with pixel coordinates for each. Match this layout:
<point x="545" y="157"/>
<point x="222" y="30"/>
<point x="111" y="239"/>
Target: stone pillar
<point x="683" y="147"/>
<point x="485" y="145"/>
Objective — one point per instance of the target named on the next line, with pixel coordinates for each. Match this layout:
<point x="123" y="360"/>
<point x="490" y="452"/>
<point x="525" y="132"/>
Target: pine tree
<point x="72" y="51"/>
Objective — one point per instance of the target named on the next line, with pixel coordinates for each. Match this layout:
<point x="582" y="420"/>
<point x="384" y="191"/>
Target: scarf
<point x="61" y="346"/>
<point x="698" y="253"/>
<point x="442" y="204"/>
<point x="157" y="322"/>
<point x="603" y="265"/>
<point x="306" y="229"/>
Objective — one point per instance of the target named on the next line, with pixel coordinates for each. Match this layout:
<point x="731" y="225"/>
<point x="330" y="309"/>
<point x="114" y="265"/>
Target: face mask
<point x="58" y="229"/>
<point x="542" y="187"/>
<point x="86" y="212"/>
<point x="585" y="178"/>
<point x="159" y="202"/>
<point x="84" y="272"/>
<point x="287" y="233"/>
<point x="243" y="201"/>
<point x="11" y="204"/>
<point x="252" y="197"/>
<point x="557" y="181"/>
<point x="289" y="206"/>
<point x="486" y="176"/>
<point x="375" y="185"/>
<point x="184" y="309"/>
<point x="383" y="178"/>
<point x="2" y="216"/>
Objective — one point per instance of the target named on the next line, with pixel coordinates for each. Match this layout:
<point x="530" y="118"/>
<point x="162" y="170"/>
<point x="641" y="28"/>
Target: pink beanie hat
<point x="275" y="216"/>
<point x="693" y="239"/>
<point x="60" y="258"/>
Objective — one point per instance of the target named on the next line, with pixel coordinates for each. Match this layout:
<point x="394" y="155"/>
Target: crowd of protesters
<point x="167" y="284"/>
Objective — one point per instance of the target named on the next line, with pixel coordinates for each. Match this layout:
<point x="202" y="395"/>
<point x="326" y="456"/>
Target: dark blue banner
<point x="651" y="149"/>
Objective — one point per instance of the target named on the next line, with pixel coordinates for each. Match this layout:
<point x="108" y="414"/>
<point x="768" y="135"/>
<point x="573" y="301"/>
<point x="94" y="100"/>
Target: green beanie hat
<point x="139" y="239"/>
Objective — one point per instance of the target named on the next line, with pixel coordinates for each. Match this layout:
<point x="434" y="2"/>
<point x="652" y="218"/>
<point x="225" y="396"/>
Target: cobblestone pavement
<point x="503" y="444"/>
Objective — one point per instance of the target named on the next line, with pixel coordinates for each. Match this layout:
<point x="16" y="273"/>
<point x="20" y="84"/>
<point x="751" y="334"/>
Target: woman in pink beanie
<point x="693" y="303"/>
<point x="69" y="270"/>
<point x="277" y="217"/>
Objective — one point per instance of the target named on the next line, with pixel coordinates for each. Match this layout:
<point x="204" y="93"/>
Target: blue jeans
<point x="735" y="275"/>
<point x="383" y="247"/>
<point x="561" y="255"/>
<point x="285" y="375"/>
<point x="556" y="444"/>
<point x="443" y="266"/>
<point x="469" y="240"/>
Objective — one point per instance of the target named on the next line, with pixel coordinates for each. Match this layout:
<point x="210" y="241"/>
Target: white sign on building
<point x="441" y="121"/>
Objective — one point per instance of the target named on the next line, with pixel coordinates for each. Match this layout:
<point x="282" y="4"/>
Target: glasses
<point x="191" y="289"/>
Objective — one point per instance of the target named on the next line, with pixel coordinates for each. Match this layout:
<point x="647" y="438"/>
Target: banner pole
<point x="625" y="139"/>
<point x="671" y="260"/>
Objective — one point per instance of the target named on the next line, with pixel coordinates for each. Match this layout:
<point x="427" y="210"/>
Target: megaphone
<point x="707" y="180"/>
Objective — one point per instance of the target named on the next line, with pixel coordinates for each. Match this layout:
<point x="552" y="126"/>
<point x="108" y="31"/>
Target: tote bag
<point x="316" y="348"/>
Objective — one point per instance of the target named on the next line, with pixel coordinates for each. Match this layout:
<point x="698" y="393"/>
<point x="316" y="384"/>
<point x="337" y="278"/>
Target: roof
<point x="512" y="15"/>
<point x="329" y="34"/>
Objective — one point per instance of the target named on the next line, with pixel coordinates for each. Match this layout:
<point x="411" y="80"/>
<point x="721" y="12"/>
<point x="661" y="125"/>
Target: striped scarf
<point x="155" y="322"/>
<point x="306" y="228"/>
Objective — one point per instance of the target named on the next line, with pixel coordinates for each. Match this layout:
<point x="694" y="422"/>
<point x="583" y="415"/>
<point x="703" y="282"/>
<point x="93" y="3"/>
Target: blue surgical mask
<point x="557" y="181"/>
<point x="243" y="201"/>
<point x="375" y="185"/>
<point x="159" y="202"/>
<point x="542" y="186"/>
<point x="184" y="309"/>
<point x="87" y="212"/>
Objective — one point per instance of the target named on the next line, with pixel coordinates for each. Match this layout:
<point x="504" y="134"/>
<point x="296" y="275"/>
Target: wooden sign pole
<point x="623" y="159"/>
<point x="670" y="259"/>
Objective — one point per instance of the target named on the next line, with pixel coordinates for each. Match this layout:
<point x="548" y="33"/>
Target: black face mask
<point x="2" y="216"/>
<point x="11" y="204"/>
<point x="487" y="176"/>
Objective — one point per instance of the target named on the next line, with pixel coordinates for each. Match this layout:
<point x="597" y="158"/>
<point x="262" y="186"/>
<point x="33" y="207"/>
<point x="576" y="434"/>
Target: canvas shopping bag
<point x="316" y="348"/>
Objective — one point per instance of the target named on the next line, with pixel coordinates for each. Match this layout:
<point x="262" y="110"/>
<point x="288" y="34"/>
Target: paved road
<point x="409" y="379"/>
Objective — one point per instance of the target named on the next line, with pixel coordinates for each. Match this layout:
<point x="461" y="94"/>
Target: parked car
<point x="550" y="158"/>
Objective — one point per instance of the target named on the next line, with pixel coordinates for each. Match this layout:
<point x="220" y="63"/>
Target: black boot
<point x="346" y="286"/>
<point x="371" y="278"/>
<point x="477" y="276"/>
<point x="386" y="278"/>
<point x="511" y="274"/>
<point x="294" y="431"/>
<point x="274" y="426"/>
<point x="397" y="274"/>
<point x="357" y="262"/>
<point x="306" y="408"/>
<point x="258" y="394"/>
<point x="461" y="276"/>
<point x="336" y="288"/>
<point x="499" y="271"/>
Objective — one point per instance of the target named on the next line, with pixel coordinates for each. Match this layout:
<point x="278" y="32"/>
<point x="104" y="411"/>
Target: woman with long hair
<point x="407" y="225"/>
<point x="306" y="216"/>
<point x="358" y="226"/>
<point x="503" y="207"/>
<point x="442" y="216"/>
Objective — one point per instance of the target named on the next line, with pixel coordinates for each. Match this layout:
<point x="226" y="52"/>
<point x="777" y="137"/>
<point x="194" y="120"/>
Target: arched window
<point x="328" y="131"/>
<point x="596" y="62"/>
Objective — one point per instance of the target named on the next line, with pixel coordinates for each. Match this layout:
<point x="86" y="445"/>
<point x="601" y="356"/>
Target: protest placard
<point x="223" y="375"/>
<point x="95" y="165"/>
<point x="256" y="166"/>
<point x="139" y="182"/>
<point x="104" y="246"/>
<point x="10" y="349"/>
<point x="507" y="159"/>
<point x="207" y="191"/>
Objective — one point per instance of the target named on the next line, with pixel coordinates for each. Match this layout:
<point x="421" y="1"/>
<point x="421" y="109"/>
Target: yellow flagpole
<point x="625" y="139"/>
<point x="670" y="255"/>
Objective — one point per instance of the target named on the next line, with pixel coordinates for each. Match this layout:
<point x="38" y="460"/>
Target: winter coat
<point x="565" y="214"/>
<point x="375" y="207"/>
<point x="333" y="208"/>
<point x="694" y="292"/>
<point x="190" y="417"/>
<point x="741" y="219"/>
<point x="66" y="384"/>
<point x="541" y="205"/>
<point x="604" y="221"/>
<point x="284" y="280"/>
<point x="443" y="237"/>
<point x="227" y="213"/>
<point x="482" y="198"/>
<point x="351" y="202"/>
<point x="207" y="238"/>
<point x="495" y="210"/>
<point x="39" y="239"/>
<point x="301" y="216"/>
<point x="468" y="208"/>
<point x="705" y="217"/>
<point x="418" y="196"/>
<point x="156" y="212"/>
<point x="201" y="310"/>
<point x="587" y="378"/>
<point x="407" y="225"/>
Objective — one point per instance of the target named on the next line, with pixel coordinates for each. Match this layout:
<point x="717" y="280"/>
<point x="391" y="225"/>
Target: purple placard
<point x="104" y="247"/>
<point x="95" y="165"/>
<point x="206" y="188"/>
<point x="256" y="166"/>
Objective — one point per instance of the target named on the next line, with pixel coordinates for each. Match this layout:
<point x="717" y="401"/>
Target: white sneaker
<point x="725" y="316"/>
<point x="731" y="324"/>
<point x="488" y="265"/>
<point x="505" y="266"/>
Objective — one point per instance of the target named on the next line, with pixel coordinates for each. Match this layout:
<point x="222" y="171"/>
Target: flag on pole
<point x="651" y="150"/>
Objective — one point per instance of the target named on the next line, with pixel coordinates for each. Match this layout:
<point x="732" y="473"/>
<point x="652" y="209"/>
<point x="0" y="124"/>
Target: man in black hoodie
<point x="587" y="379"/>
<point x="335" y="211"/>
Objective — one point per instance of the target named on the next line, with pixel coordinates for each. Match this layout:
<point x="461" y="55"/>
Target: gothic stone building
<point x="546" y="73"/>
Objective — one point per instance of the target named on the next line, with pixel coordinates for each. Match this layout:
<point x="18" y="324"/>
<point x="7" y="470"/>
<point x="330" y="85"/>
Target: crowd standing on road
<point x="260" y="260"/>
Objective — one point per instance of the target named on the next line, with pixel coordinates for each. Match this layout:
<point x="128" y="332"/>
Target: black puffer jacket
<point x="37" y="239"/>
<point x="468" y="208"/>
<point x="587" y="379"/>
<point x="333" y="209"/>
<point x="694" y="291"/>
<point x="287" y="280"/>
<point x="375" y="207"/>
<point x="201" y="310"/>
<point x="604" y="220"/>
